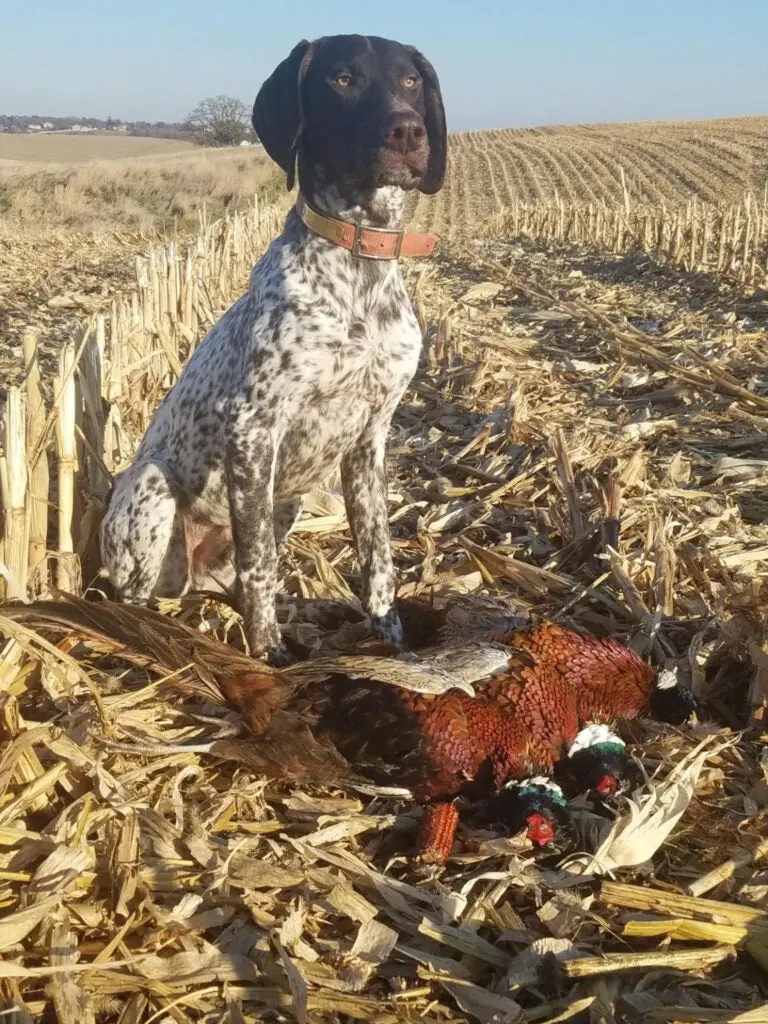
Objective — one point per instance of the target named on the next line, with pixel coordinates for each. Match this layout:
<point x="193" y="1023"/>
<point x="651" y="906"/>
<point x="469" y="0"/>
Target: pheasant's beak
<point x="540" y="829"/>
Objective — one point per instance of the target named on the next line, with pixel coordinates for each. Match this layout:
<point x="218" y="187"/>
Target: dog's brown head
<point x="357" y="112"/>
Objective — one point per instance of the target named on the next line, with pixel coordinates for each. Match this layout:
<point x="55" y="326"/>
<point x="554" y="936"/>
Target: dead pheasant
<point x="540" y="693"/>
<point x="607" y="681"/>
<point x="349" y="717"/>
<point x="567" y="686"/>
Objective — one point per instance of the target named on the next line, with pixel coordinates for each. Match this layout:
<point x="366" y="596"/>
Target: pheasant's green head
<point x="597" y="759"/>
<point x="537" y="805"/>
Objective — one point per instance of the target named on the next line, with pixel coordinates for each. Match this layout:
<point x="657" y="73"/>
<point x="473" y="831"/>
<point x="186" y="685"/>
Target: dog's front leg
<point x="251" y="456"/>
<point x="364" y="483"/>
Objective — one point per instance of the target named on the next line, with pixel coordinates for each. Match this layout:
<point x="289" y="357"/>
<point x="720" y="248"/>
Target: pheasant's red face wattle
<point x="607" y="786"/>
<point x="540" y="830"/>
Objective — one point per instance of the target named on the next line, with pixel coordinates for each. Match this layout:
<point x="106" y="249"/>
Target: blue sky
<point x="501" y="64"/>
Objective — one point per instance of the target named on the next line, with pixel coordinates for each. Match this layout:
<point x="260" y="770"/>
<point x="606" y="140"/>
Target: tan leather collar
<point x="371" y="243"/>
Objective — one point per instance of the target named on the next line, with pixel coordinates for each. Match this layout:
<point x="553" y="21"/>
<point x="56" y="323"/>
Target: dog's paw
<point x="388" y="627"/>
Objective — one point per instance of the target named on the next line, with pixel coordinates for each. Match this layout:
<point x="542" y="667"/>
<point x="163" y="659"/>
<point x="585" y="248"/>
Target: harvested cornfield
<point x="652" y="163"/>
<point x="586" y="437"/>
<point x="663" y="162"/>
<point x="729" y="241"/>
<point x="694" y="193"/>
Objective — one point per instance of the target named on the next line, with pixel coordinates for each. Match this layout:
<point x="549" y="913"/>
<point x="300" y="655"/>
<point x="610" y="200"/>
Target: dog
<point x="302" y="374"/>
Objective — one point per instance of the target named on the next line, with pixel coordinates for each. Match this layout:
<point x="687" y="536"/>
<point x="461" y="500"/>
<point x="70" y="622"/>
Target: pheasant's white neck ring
<point x="538" y="785"/>
<point x="666" y="679"/>
<point x="596" y="735"/>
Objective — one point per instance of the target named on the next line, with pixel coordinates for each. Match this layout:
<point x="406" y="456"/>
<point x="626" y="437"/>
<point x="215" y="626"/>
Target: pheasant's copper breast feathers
<point x="607" y="677"/>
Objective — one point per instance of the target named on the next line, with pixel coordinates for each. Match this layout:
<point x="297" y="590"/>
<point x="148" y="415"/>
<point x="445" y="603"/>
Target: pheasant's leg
<point x="437" y="829"/>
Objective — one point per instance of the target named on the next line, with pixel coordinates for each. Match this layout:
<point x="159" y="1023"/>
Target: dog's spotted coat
<point x="302" y="374"/>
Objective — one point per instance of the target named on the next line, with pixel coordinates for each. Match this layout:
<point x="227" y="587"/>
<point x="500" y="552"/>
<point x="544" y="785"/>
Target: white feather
<point x="666" y="679"/>
<point x="591" y="736"/>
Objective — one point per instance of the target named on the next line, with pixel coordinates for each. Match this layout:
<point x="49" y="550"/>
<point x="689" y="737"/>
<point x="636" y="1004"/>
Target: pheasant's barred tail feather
<point x="203" y="666"/>
<point x="200" y="664"/>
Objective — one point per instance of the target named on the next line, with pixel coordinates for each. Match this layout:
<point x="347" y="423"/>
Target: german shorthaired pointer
<point x="302" y="374"/>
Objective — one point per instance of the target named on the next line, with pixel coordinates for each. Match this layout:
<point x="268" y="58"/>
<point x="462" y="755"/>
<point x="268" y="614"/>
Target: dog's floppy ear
<point x="436" y="129"/>
<point x="277" y="112"/>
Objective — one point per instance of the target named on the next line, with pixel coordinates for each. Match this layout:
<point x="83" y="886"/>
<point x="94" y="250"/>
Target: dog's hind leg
<point x="143" y="544"/>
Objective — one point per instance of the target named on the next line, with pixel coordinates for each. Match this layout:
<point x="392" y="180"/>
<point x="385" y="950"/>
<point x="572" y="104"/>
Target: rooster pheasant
<point x="491" y="716"/>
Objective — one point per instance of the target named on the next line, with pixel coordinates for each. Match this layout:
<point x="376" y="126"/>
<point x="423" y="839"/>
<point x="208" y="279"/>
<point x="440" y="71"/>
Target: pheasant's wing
<point x="468" y="663"/>
<point x="476" y="617"/>
<point x="459" y="619"/>
<point x="408" y="673"/>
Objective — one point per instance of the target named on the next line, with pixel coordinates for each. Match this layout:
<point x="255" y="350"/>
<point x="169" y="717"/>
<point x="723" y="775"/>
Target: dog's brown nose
<point x="406" y="132"/>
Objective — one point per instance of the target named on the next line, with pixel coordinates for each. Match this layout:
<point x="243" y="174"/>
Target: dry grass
<point x="69" y="232"/>
<point x="58" y="148"/>
<point x="148" y="874"/>
<point x="154" y="194"/>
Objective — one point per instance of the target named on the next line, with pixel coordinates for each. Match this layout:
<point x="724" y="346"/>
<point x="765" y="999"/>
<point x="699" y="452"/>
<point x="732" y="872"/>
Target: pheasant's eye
<point x="344" y="80"/>
<point x="410" y="82"/>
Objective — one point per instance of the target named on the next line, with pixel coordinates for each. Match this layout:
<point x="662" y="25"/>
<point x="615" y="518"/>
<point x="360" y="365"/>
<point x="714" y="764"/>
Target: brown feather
<point x="201" y="664"/>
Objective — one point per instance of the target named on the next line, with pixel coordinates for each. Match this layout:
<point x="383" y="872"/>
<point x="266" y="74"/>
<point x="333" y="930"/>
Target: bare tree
<point x="221" y="121"/>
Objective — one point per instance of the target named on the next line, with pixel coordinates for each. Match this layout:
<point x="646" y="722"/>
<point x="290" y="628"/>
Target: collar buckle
<point x="358" y="239"/>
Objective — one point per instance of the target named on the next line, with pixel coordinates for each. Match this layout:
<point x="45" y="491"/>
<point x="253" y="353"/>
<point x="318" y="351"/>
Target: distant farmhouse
<point x="32" y="125"/>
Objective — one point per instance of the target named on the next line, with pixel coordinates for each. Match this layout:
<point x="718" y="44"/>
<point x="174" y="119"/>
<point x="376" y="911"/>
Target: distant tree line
<point x="216" y="121"/>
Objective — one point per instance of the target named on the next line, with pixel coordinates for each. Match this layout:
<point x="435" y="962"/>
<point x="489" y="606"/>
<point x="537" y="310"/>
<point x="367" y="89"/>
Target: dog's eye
<point x="410" y="81"/>
<point x="344" y="80"/>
